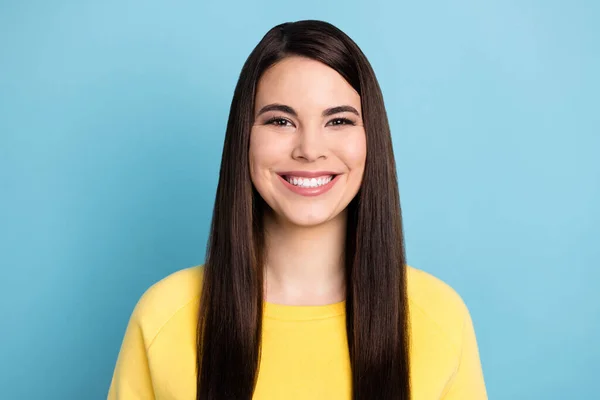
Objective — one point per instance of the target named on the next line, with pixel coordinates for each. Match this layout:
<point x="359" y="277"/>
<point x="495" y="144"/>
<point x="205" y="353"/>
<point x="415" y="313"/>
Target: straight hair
<point x="231" y="303"/>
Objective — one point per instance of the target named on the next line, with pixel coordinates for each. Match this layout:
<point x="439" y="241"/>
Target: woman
<point x="305" y="293"/>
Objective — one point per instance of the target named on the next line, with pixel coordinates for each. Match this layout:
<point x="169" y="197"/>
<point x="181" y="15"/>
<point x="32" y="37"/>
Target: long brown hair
<point x="231" y="304"/>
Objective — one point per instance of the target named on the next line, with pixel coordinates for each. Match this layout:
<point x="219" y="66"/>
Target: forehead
<point x="304" y="84"/>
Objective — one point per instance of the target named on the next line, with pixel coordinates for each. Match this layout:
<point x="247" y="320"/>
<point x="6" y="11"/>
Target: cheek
<point x="264" y="153"/>
<point x="354" y="152"/>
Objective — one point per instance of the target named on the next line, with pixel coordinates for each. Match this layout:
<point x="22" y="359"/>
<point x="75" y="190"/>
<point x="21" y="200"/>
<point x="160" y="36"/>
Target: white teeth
<point x="309" y="182"/>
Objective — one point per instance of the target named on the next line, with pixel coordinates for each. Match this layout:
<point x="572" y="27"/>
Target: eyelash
<point x="272" y="121"/>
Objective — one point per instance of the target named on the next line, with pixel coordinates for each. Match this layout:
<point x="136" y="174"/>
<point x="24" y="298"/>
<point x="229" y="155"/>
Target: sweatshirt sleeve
<point x="468" y="382"/>
<point x="131" y="378"/>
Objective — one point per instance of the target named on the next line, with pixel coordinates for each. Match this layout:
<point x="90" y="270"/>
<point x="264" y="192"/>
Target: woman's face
<point x="307" y="144"/>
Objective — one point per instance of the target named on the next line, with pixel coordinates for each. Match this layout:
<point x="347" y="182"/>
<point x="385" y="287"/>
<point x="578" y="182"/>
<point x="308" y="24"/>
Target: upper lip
<point x="307" y="174"/>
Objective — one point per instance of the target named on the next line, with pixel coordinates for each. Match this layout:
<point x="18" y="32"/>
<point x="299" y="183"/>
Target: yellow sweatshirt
<point x="304" y="348"/>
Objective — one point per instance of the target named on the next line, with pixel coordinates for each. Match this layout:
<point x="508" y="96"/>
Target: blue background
<point x="112" y="118"/>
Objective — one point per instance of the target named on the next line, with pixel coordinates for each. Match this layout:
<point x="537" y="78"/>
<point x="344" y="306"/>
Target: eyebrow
<point x="289" y="110"/>
<point x="278" y="107"/>
<point x="340" y="109"/>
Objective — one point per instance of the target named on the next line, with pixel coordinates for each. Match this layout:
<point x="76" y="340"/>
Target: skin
<point x="305" y="235"/>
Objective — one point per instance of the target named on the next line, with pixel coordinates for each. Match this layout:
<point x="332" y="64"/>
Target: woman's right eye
<point x="279" y="122"/>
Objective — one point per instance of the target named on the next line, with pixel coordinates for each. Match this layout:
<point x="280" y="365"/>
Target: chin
<point x="306" y="218"/>
<point x="307" y="222"/>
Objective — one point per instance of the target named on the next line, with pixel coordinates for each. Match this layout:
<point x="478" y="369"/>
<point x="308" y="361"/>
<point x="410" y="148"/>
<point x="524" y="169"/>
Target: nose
<point x="310" y="145"/>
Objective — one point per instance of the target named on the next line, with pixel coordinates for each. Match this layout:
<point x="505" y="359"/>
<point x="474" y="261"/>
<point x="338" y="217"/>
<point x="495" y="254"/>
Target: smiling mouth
<point x="308" y="182"/>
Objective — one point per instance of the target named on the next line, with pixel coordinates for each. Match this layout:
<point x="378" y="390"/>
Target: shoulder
<point x="175" y="295"/>
<point x="435" y="306"/>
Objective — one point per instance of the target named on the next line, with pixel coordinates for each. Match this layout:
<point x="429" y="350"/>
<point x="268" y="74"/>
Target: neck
<point x="305" y="265"/>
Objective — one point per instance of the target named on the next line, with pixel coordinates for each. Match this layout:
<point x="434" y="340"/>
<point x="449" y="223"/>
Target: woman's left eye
<point x="340" y="121"/>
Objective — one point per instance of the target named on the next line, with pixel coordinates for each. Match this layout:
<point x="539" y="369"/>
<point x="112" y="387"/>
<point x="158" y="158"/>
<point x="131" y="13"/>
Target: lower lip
<point x="310" y="191"/>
